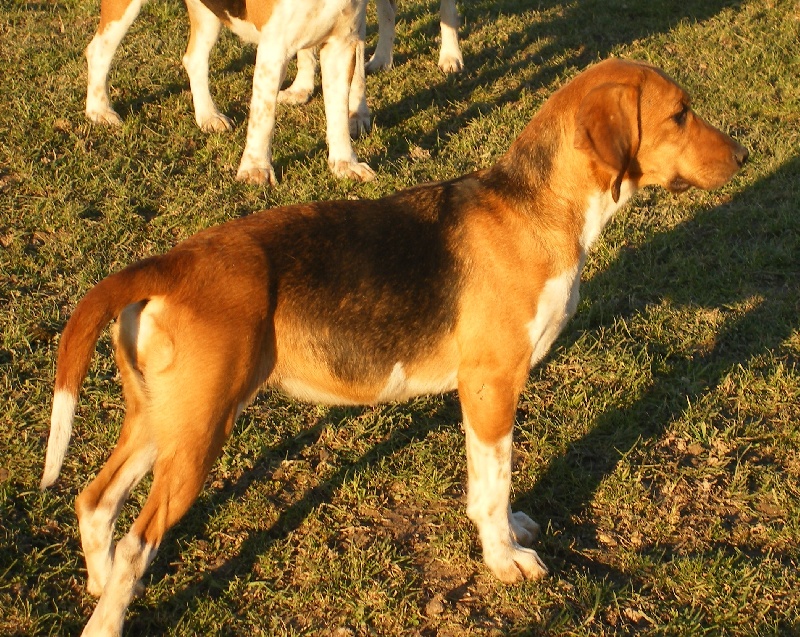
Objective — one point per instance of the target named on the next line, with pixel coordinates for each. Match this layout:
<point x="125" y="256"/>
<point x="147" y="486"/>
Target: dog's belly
<point x="398" y="385"/>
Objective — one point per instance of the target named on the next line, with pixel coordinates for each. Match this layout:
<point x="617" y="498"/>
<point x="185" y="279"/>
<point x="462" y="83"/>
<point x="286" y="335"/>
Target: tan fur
<point x="456" y="285"/>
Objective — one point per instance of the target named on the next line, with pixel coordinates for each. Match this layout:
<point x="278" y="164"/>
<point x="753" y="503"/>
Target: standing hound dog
<point x="279" y="28"/>
<point x="458" y="285"/>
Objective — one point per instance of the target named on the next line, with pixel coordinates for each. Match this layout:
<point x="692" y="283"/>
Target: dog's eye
<point x="680" y="117"/>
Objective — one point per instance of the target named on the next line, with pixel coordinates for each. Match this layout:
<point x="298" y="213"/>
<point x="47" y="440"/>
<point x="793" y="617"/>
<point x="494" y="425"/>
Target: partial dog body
<point x="459" y="285"/>
<point x="279" y="28"/>
<point x="450" y="59"/>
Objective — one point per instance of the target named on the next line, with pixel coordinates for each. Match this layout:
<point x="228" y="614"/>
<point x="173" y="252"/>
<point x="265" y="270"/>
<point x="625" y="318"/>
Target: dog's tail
<point x="103" y="302"/>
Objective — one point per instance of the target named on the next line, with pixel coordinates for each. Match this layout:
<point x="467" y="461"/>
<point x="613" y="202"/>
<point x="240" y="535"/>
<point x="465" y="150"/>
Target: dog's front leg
<point x="337" y="60"/>
<point x="256" y="164"/>
<point x="115" y="20"/>
<point x="488" y="411"/>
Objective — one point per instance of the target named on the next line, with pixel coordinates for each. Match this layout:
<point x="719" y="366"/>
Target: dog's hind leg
<point x="204" y="28"/>
<point x="302" y="88"/>
<point x="178" y="476"/>
<point x="99" y="504"/>
<point x="116" y="17"/>
<point x="359" y="111"/>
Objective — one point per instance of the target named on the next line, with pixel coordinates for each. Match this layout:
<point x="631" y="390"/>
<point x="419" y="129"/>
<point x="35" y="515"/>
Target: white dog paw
<point x="105" y="116"/>
<point x="523" y="529"/>
<point x="378" y="63"/>
<point x="357" y="171"/>
<point x="257" y="176"/>
<point x="514" y="564"/>
<point x="294" y="96"/>
<point x="360" y="123"/>
<point x="215" y="123"/>
<point x="451" y="63"/>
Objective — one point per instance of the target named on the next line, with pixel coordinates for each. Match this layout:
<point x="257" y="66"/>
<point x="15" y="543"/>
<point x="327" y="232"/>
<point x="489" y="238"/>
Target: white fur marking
<point x="488" y="491"/>
<point x="599" y="210"/>
<point x="64" y="403"/>
<point x="131" y="560"/>
<point x="557" y="303"/>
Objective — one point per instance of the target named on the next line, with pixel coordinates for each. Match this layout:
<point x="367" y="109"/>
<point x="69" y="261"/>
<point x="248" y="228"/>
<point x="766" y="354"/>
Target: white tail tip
<point x="64" y="403"/>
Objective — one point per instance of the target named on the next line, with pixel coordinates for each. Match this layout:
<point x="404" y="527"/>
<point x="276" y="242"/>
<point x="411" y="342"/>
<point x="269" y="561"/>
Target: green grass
<point x="657" y="445"/>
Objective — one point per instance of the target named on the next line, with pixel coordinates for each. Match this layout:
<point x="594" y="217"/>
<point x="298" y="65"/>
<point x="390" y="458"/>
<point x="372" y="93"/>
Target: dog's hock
<point x="607" y="126"/>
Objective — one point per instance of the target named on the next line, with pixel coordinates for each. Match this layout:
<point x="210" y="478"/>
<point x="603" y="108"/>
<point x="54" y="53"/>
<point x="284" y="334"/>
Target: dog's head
<point x="636" y="123"/>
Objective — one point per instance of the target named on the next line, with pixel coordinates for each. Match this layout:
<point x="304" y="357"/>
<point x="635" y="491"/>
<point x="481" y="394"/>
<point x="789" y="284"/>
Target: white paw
<point x="357" y="171"/>
<point x="107" y="116"/>
<point x="451" y="63"/>
<point x="294" y="96"/>
<point x="523" y="529"/>
<point x="513" y="563"/>
<point x="215" y="123"/>
<point x="256" y="175"/>
<point x="378" y="62"/>
<point x="359" y="123"/>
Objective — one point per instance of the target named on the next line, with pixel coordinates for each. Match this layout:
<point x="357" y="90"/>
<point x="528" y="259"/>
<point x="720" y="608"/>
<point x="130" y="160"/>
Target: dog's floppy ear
<point x="607" y="125"/>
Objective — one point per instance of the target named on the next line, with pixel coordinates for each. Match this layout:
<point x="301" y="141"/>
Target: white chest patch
<point x="557" y="303"/>
<point x="599" y="210"/>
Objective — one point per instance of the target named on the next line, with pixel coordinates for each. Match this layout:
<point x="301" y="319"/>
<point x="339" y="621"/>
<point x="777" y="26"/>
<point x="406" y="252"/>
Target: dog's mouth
<point x="678" y="184"/>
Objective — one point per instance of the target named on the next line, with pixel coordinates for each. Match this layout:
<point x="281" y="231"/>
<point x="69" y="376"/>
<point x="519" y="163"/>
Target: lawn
<point x="657" y="445"/>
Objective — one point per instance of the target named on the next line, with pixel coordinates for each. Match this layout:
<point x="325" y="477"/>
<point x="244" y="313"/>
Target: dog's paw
<point x="105" y="116"/>
<point x="257" y="176"/>
<point x="357" y="171"/>
<point x="513" y="563"/>
<point x="294" y="96"/>
<point x="360" y="123"/>
<point x="215" y="123"/>
<point x="378" y="63"/>
<point x="523" y="529"/>
<point x="451" y="63"/>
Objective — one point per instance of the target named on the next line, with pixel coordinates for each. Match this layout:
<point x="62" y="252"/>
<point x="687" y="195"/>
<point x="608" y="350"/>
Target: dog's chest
<point x="557" y="302"/>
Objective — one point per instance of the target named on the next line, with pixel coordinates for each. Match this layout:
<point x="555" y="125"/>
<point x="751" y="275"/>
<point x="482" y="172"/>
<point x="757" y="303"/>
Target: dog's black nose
<point x="741" y="154"/>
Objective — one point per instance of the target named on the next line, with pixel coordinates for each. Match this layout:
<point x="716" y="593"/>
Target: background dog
<point x="458" y="285"/>
<point x="279" y="28"/>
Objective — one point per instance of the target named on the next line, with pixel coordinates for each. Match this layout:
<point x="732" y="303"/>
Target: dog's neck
<point x="542" y="174"/>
